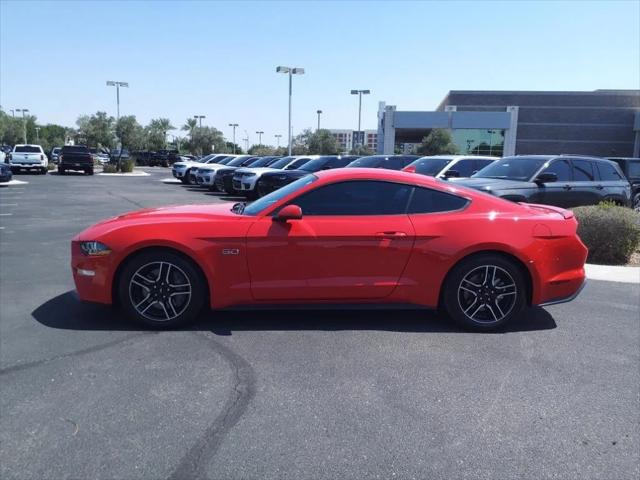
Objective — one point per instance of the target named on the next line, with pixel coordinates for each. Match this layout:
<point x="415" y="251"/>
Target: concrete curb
<point x="131" y="174"/>
<point x="612" y="273"/>
<point x="13" y="182"/>
<point x="171" y="181"/>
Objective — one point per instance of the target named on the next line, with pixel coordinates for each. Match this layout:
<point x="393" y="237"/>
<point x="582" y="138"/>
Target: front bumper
<point x="91" y="275"/>
<point x="244" y="184"/>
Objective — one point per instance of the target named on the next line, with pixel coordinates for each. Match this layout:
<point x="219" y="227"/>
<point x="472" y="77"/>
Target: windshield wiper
<point x="238" y="208"/>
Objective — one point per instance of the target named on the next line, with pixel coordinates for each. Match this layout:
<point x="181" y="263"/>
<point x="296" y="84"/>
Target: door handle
<point x="391" y="234"/>
<point x="599" y="187"/>
<point x="567" y="187"/>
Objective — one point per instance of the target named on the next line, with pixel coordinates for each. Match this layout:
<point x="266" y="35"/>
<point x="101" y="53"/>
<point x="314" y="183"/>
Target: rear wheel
<point x="161" y="289"/>
<point x="61" y="171"/>
<point x="186" y="179"/>
<point x="484" y="292"/>
<point x="89" y="171"/>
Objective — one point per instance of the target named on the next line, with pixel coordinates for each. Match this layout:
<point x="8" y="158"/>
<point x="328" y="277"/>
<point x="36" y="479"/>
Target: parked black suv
<point x="562" y="180"/>
<point x="75" y="157"/>
<point x="631" y="169"/>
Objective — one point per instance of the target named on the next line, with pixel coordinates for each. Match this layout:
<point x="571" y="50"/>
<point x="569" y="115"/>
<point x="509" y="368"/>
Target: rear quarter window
<point x="608" y="172"/>
<point x="426" y="200"/>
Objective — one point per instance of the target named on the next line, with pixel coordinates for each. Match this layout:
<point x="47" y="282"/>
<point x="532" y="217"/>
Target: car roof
<point x="458" y="157"/>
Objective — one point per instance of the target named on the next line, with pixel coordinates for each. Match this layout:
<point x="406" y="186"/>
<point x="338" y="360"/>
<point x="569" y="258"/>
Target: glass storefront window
<point x="471" y="141"/>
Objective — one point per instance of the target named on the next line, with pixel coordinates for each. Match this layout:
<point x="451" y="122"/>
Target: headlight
<point x="94" y="249"/>
<point x="249" y="174"/>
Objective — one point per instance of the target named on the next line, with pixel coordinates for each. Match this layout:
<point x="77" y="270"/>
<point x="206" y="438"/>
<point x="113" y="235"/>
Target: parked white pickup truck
<point x="28" y="157"/>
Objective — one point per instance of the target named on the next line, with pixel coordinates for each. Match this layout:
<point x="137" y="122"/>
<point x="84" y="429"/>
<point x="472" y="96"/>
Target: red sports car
<point x="339" y="236"/>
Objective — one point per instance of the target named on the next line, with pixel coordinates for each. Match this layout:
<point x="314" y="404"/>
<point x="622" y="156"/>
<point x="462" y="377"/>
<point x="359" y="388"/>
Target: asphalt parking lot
<point x="321" y="394"/>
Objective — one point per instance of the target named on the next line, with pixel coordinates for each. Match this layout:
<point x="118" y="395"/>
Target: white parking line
<point x="8" y="204"/>
<point x="5" y="214"/>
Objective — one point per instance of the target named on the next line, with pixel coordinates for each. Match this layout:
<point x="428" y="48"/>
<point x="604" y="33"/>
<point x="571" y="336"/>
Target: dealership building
<point x="603" y="123"/>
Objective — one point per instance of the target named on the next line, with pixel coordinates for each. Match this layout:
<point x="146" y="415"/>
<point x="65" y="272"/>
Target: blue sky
<point x="218" y="58"/>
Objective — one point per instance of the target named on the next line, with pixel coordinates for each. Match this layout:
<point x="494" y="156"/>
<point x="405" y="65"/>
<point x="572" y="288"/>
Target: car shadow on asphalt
<point x="67" y="312"/>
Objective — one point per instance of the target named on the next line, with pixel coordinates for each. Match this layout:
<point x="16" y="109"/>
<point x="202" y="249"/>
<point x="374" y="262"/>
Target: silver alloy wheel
<point x="487" y="294"/>
<point x="160" y="291"/>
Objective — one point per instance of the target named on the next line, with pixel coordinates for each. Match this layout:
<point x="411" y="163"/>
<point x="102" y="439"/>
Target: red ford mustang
<point x="339" y="236"/>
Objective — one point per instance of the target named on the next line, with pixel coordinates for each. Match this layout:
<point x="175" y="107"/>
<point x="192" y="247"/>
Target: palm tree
<point x="190" y="126"/>
<point x="162" y="125"/>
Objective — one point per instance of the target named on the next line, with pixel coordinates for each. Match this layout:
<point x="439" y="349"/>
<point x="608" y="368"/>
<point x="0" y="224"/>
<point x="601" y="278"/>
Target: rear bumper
<point x="565" y="299"/>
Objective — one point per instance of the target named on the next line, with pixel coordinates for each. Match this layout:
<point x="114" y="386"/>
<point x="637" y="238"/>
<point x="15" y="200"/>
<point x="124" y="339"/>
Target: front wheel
<point x="161" y="289"/>
<point x="484" y="292"/>
<point x="187" y="178"/>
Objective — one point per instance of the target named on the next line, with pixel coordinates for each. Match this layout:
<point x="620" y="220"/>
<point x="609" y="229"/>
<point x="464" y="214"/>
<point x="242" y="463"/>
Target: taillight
<point x="6" y="160"/>
<point x="410" y="169"/>
<point x="60" y="157"/>
<point x="41" y="157"/>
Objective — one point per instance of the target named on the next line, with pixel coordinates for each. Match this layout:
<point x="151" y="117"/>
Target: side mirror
<point x="290" y="212"/>
<point x="546" y="177"/>
<point x="451" y="173"/>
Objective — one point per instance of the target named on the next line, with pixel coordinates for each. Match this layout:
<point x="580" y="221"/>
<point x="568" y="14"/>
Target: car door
<point x="558" y="193"/>
<point x="352" y="242"/>
<point x="586" y="190"/>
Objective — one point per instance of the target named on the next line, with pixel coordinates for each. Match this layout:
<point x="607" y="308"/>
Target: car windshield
<point x="27" y="149"/>
<point x="281" y="162"/>
<point x="513" y="168"/>
<point x="237" y="161"/>
<point x="295" y="165"/>
<point x="316" y="164"/>
<point x="268" y="200"/>
<point x="260" y="162"/>
<point x="205" y="159"/>
<point x="372" y="161"/>
<point x="430" y="166"/>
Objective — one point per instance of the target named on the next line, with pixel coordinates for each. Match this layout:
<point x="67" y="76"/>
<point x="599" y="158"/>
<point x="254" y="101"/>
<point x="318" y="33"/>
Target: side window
<point x="608" y="172"/>
<point x="465" y="167"/>
<point x="425" y="200"/>
<point x="561" y="168"/>
<point x="582" y="171"/>
<point x="356" y="198"/>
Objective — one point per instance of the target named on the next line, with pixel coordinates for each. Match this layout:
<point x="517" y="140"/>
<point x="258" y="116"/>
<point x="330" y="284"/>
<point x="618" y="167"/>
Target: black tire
<point x="187" y="179"/>
<point x="61" y="171"/>
<point x="173" y="306"/>
<point x="252" y="194"/>
<point x="636" y="202"/>
<point x="484" y="292"/>
<point x="89" y="172"/>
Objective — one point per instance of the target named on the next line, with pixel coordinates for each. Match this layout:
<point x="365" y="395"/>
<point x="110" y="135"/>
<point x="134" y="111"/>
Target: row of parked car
<point x="562" y="180"/>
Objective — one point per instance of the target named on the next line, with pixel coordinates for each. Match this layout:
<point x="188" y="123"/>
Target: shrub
<point x="126" y="166"/>
<point x="51" y="166"/>
<point x="611" y="233"/>
<point x="110" y="168"/>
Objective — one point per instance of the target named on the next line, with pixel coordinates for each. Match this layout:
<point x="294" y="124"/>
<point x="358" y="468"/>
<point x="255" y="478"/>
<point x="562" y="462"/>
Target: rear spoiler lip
<point x="566" y="214"/>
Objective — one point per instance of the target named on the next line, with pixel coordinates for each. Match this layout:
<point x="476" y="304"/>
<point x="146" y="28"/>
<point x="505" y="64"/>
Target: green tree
<point x="322" y="142"/>
<point x="207" y="140"/>
<point x="189" y="126"/>
<point x="96" y="130"/>
<point x="439" y="141"/>
<point x="157" y="133"/>
<point x="52" y="135"/>
<point x="261" y="150"/>
<point x="364" y="150"/>
<point x="229" y="148"/>
<point x="11" y="129"/>
<point x="130" y="133"/>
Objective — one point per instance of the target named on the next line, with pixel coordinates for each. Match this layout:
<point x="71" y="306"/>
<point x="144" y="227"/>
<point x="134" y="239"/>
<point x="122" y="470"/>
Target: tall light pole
<point x="278" y="137"/>
<point x="259" y="133"/>
<point x="13" y="113"/>
<point x="319" y="112"/>
<point x="24" y="121"/>
<point x="111" y="83"/>
<point x="290" y="71"/>
<point x="234" y="125"/>
<point x="360" y="93"/>
<point x="246" y="143"/>
<point x="199" y="118"/>
<point x="37" y="134"/>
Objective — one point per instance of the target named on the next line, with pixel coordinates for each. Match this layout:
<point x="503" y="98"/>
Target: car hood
<point x="209" y="166"/>
<point x="491" y="184"/>
<point x="173" y="215"/>
<point x="186" y="163"/>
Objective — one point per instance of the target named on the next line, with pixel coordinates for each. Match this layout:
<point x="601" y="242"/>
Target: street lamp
<point x="199" y="118"/>
<point x="259" y="137"/>
<point x="37" y="134"/>
<point x="319" y="112"/>
<point x="24" y="121"/>
<point x="234" y="125"/>
<point x="360" y="93"/>
<point x="111" y="83"/>
<point x="278" y="137"/>
<point x="290" y="71"/>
